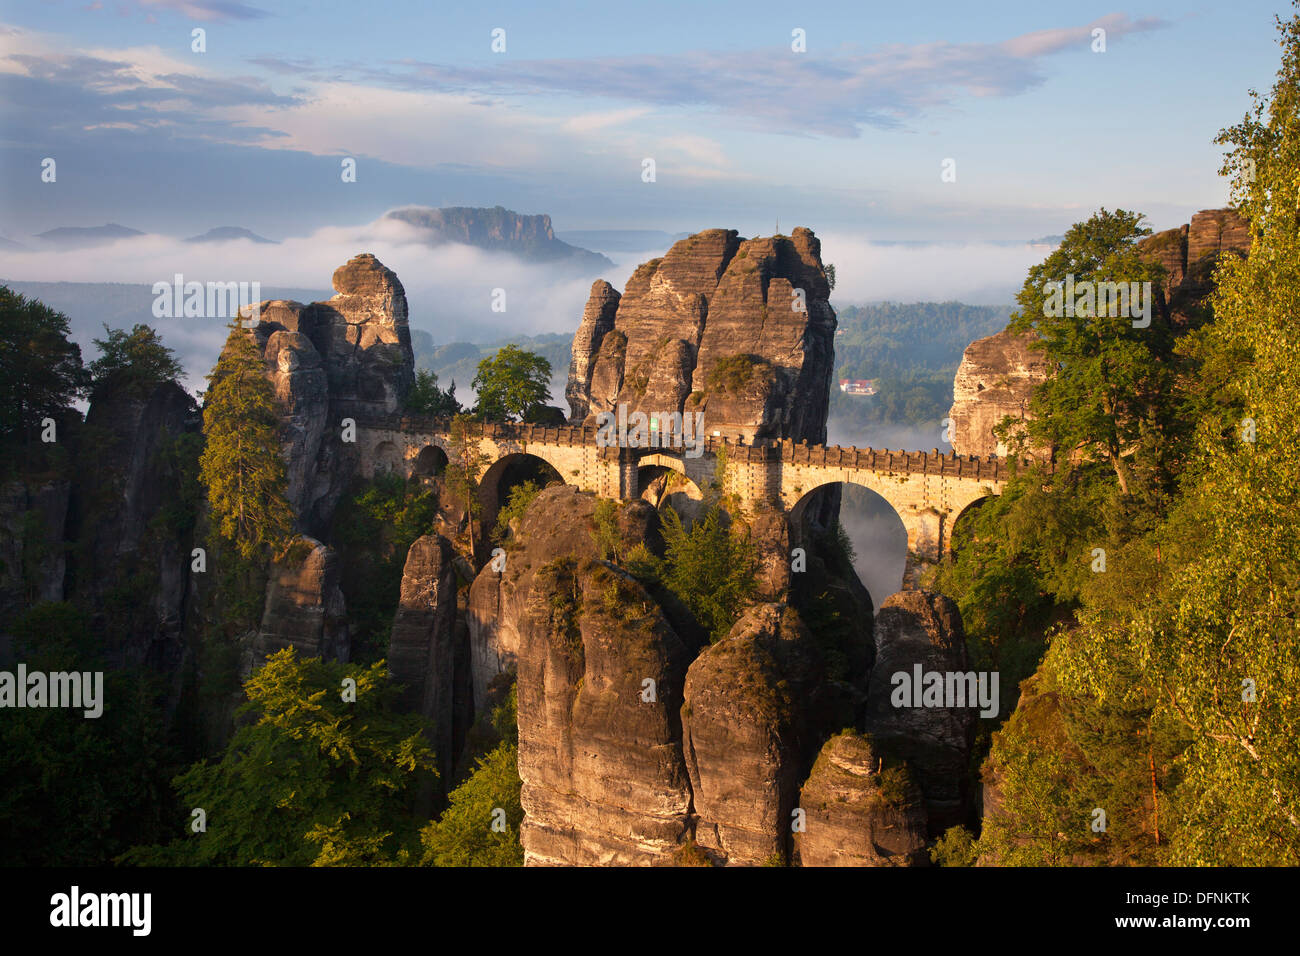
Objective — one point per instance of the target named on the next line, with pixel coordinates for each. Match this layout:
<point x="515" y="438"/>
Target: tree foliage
<point x="426" y="398"/>
<point x="1108" y="376"/>
<point x="1174" y="704"/>
<point x="241" y="466"/>
<point x="512" y="384"/>
<point x="41" y="374"/>
<point x="314" y="779"/>
<point x="134" y="361"/>
<point x="712" y="568"/>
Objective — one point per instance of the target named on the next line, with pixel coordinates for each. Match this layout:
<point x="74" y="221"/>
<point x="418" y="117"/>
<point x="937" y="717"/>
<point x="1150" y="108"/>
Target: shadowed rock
<point x="421" y="650"/>
<point x="922" y="627"/>
<point x="861" y="809"/>
<point x="304" y="606"/>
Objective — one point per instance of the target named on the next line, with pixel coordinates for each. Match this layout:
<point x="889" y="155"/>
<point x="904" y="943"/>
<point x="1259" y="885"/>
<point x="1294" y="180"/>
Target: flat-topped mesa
<point x="739" y="330"/>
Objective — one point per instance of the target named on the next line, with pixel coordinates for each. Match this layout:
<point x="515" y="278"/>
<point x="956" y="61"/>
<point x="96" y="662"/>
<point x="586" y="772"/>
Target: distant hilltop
<point x="499" y="229"/>
<point x="222" y="233"/>
<point x="87" y="235"/>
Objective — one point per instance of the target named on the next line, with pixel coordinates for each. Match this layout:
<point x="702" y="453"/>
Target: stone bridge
<point x="927" y="490"/>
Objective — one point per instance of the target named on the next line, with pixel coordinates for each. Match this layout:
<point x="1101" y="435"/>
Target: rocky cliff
<point x="738" y="329"/>
<point x="861" y="809"/>
<point x="924" y="628"/>
<point x="996" y="378"/>
<point x="997" y="374"/>
<point x="422" y="646"/>
<point x="347" y="357"/>
<point x="1189" y="254"/>
<point x="128" y="516"/>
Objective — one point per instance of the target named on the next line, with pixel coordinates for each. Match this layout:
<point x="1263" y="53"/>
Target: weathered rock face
<point x="715" y="303"/>
<point x="422" y="646"/>
<point x="998" y="374"/>
<point x="304" y="607"/>
<point x="751" y="725"/>
<point x="858" y="811"/>
<point x="349" y="356"/>
<point x="597" y="320"/>
<point x="599" y="753"/>
<point x="924" y="628"/>
<point x="1189" y="255"/>
<point x="599" y="748"/>
<point x="996" y="378"/>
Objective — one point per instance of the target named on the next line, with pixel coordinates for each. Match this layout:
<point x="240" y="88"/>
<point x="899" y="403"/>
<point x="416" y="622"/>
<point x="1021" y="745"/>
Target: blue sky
<point x="848" y="136"/>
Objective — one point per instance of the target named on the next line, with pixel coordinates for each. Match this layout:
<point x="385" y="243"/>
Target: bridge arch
<point x="387" y="459"/>
<point x="663" y="480"/>
<point x="507" y="473"/>
<point x="876" y="530"/>
<point x="430" y="461"/>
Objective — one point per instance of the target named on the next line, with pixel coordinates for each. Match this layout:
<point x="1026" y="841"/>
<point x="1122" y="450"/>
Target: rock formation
<point x="753" y="719"/>
<point x="422" y="646"/>
<point x="304" y="607"/>
<point x="739" y="329"/>
<point x="996" y="378"/>
<point x="349" y="356"/>
<point x="501" y="230"/>
<point x="130" y="476"/>
<point x="997" y="374"/>
<point x="861" y="809"/>
<point x="599" y="747"/>
<point x="1189" y="254"/>
<point x="922" y="627"/>
<point x="597" y="320"/>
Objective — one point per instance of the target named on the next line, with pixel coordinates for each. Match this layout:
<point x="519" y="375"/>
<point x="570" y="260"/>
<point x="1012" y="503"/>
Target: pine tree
<point x="466" y="465"/>
<point x="241" y="466"/>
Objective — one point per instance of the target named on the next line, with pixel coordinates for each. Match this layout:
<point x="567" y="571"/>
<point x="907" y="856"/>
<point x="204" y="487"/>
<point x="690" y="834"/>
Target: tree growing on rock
<point x="135" y="361"/>
<point x="241" y="466"/>
<point x="512" y="384"/>
<point x="1110" y="380"/>
<point x="466" y="463"/>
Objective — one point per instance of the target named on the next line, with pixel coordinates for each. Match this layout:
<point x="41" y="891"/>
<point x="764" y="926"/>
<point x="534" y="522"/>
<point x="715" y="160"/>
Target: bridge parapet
<point x="950" y="465"/>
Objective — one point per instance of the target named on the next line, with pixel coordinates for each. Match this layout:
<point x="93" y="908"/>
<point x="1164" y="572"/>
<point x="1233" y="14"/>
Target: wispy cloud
<point x="832" y="94"/>
<point x="208" y="10"/>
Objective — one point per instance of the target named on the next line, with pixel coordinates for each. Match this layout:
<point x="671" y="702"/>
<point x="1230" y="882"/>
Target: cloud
<point x="977" y="272"/>
<point x="449" y="287"/>
<point x="208" y="10"/>
<point x="834" y="94"/>
<point x="46" y="91"/>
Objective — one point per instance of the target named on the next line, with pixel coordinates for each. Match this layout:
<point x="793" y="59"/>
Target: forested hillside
<point x="911" y="350"/>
